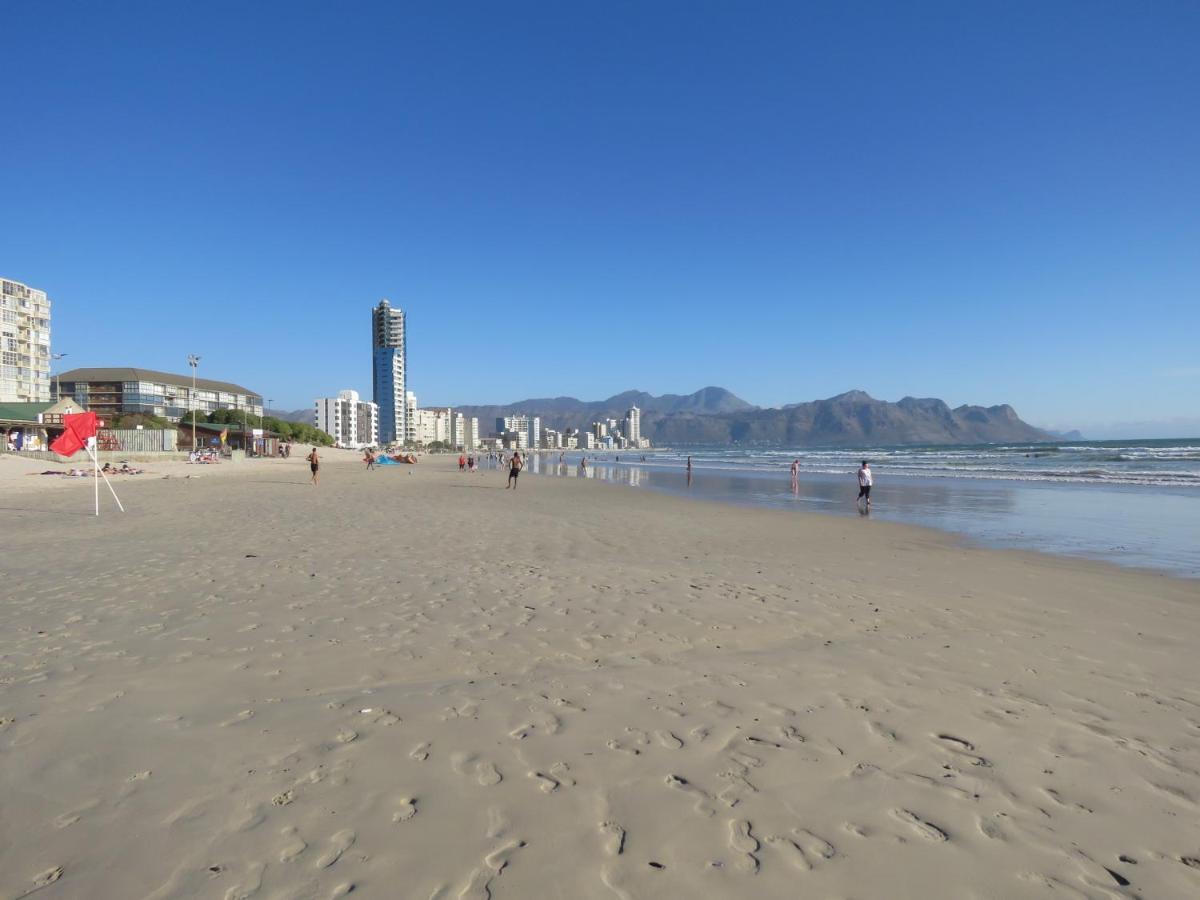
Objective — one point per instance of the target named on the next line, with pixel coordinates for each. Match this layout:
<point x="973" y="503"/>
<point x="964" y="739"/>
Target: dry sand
<point x="412" y="683"/>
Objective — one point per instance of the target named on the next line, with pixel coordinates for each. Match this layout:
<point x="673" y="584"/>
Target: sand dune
<point x="411" y="683"/>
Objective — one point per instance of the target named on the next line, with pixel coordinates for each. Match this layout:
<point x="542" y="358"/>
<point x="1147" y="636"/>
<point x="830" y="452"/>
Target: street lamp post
<point x="262" y="424"/>
<point x="56" y="357"/>
<point x="193" y="361"/>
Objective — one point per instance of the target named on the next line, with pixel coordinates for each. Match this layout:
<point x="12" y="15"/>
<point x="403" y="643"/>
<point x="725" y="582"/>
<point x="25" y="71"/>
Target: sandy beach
<point x="412" y="683"/>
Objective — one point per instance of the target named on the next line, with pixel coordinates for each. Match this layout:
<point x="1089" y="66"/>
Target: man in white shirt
<point x="864" y="483"/>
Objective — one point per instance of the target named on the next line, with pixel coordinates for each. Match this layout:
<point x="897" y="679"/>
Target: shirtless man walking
<point x="514" y="469"/>
<point x="314" y="463"/>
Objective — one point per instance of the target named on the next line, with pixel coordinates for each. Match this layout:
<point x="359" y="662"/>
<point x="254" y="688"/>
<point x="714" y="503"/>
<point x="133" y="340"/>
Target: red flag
<point x="77" y="428"/>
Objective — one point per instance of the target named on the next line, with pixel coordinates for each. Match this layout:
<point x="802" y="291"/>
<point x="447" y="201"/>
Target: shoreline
<point x="245" y="683"/>
<point x="1048" y="518"/>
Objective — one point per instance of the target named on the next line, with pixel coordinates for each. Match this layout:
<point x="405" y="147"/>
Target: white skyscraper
<point x="389" y="360"/>
<point x="24" y="344"/>
<point x="633" y="426"/>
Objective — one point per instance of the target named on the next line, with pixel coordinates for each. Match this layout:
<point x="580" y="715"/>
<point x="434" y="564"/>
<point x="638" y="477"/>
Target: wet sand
<point x="412" y="683"/>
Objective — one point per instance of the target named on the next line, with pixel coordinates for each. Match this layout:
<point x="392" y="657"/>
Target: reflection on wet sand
<point x="1128" y="525"/>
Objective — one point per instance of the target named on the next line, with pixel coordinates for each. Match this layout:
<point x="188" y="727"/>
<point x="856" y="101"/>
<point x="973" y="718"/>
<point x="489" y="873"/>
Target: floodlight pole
<point x="193" y="361"/>
<point x="57" y="382"/>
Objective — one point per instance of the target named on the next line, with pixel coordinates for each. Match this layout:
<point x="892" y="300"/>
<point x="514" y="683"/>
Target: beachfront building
<point x="432" y="426"/>
<point x="633" y="426"/>
<point x="551" y="439"/>
<point x="351" y="422"/>
<point x="470" y="432"/>
<point x="530" y="427"/>
<point x="586" y="440"/>
<point x="389" y="370"/>
<point x="24" y="344"/>
<point x="119" y="391"/>
<point x="410" y="418"/>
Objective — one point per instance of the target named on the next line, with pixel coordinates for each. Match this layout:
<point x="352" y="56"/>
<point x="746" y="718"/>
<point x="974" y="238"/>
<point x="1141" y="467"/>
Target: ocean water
<point x="1134" y="503"/>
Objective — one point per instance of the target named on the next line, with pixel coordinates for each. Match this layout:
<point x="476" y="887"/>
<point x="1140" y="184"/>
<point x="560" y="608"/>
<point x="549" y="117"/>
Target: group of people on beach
<point x="468" y="463"/>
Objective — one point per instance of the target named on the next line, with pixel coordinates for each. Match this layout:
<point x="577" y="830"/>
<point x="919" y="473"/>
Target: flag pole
<point x="112" y="490"/>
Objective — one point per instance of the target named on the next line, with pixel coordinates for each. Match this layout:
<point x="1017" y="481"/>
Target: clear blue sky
<point x="984" y="202"/>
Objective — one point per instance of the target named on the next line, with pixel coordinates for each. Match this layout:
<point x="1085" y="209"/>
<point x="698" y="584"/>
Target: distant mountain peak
<point x="854" y="396"/>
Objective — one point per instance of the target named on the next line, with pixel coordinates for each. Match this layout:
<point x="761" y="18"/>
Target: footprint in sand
<point x="745" y="844"/>
<point x="44" y="879"/>
<point x="248" y="885"/>
<point x="668" y="740"/>
<point x="927" y="830"/>
<point x="545" y="782"/>
<point x="614" y="842"/>
<point x="478" y="882"/>
<point x="487" y="774"/>
<point x="294" y="846"/>
<point x="338" y="844"/>
<point x="990" y="827"/>
<point x="790" y="850"/>
<point x="614" y="744"/>
<point x="406" y="809"/>
<point x="561" y="771"/>
<point x="814" y="844"/>
<point x="243" y="716"/>
<point x="497" y="823"/>
<point x="498" y="858"/>
<point x="72" y="816"/>
<point x="420" y="752"/>
<point x="703" y="800"/>
<point x="961" y="747"/>
<point x="247" y="819"/>
<point x="347" y="735"/>
<point x="613" y="879"/>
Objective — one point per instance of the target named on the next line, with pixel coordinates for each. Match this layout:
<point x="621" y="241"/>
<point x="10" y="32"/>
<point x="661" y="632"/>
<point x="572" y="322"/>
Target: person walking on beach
<point x="462" y="462"/>
<point x="369" y="459"/>
<point x="795" y="475"/>
<point x="514" y="469"/>
<point x="864" y="483"/>
<point x="314" y="463"/>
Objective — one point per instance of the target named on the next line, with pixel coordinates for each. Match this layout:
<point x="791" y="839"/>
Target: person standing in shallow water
<point x="314" y="463"/>
<point x="864" y="483"/>
<point x="514" y="470"/>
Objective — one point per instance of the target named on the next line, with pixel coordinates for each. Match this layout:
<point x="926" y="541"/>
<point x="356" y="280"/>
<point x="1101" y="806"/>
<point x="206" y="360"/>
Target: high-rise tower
<point x="633" y="426"/>
<point x="389" y="368"/>
<point x="24" y="343"/>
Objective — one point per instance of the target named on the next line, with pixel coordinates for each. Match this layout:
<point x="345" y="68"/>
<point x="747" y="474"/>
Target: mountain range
<point x="713" y="415"/>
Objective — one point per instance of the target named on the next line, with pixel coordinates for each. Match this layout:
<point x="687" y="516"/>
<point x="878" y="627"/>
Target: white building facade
<point x="528" y="429"/>
<point x="350" y="421"/>
<point x="633" y="426"/>
<point x="24" y="344"/>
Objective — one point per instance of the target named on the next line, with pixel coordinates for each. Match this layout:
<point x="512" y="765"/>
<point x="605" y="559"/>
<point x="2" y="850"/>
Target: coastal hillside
<point x="715" y="416"/>
<point x="567" y="412"/>
<point x="850" y="419"/>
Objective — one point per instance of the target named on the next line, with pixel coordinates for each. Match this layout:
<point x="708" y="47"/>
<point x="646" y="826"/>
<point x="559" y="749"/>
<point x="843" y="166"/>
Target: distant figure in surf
<point x="864" y="483"/>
